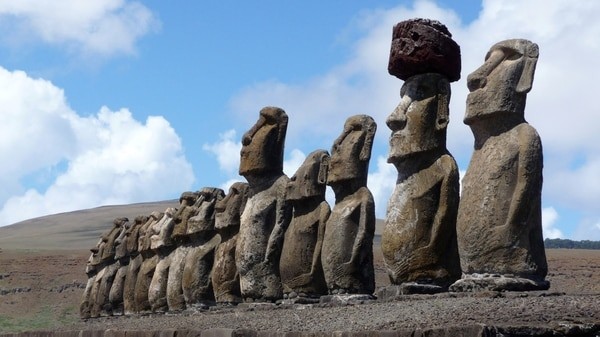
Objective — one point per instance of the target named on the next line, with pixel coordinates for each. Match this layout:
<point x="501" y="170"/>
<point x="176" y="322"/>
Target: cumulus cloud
<point x="227" y="150"/>
<point x="91" y="27"/>
<point x="107" y="158"/>
<point x="382" y="183"/>
<point x="549" y="218"/>
<point x="559" y="106"/>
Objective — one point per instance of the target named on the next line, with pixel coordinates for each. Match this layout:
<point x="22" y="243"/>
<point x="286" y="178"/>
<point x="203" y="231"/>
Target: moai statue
<point x="300" y="264"/>
<point x="91" y="271"/>
<point x="148" y="265"/>
<point x="419" y="238"/>
<point x="347" y="253"/>
<point x="499" y="225"/>
<point x="101" y="305"/>
<point x="122" y="259"/>
<point x="163" y="245"/>
<point x="180" y="237"/>
<point x="267" y="213"/>
<point x="225" y="277"/>
<point x="135" y="232"/>
<point x="196" y="277"/>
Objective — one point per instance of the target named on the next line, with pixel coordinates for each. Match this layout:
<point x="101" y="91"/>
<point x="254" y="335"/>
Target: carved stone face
<point x="310" y="178"/>
<point x="419" y="122"/>
<point x="205" y="218"/>
<point x="262" y="145"/>
<point x="351" y="151"/>
<point x="501" y="84"/>
<point x="229" y="209"/>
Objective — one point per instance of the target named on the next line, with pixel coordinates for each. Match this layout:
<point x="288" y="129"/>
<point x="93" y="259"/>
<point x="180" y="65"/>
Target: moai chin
<point x="225" y="277"/>
<point x="267" y="213"/>
<point x="347" y="253"/>
<point x="196" y="276"/>
<point x="300" y="263"/>
<point x="499" y="225"/>
<point x="419" y="238"/>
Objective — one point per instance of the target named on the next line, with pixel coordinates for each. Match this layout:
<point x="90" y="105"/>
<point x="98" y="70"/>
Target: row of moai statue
<point x="276" y="237"/>
<point x="271" y="238"/>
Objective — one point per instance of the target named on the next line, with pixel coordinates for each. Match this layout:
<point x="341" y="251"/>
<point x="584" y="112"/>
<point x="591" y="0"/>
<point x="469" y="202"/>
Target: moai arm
<point x="367" y="210"/>
<point x="447" y="206"/>
<point x="529" y="177"/>
<point x="283" y="215"/>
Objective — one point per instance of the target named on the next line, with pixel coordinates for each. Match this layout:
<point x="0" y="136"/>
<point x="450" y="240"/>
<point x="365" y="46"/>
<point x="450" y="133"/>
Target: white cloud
<point x="295" y="159"/>
<point x="109" y="158"/>
<point x="227" y="150"/>
<point x="549" y="218"/>
<point x="89" y="28"/>
<point x="561" y="105"/>
<point x="382" y="183"/>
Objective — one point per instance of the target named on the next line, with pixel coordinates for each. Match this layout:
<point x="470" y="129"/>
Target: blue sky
<point x="118" y="101"/>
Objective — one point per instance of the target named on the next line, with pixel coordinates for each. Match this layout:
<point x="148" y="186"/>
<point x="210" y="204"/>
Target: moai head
<point x="229" y="209"/>
<point x="262" y="145"/>
<point x="133" y="234"/>
<point x="94" y="258"/>
<point x="419" y="122"/>
<point x="110" y="246"/>
<point x="121" y="241"/>
<point x="144" y="240"/>
<point x="162" y="229"/>
<point x="310" y="179"/>
<point x="351" y="151"/>
<point x="500" y="85"/>
<point x="205" y="218"/>
<point x="186" y="200"/>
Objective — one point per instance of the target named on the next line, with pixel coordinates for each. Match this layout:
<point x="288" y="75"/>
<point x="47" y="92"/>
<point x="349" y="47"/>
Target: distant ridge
<point x="72" y="230"/>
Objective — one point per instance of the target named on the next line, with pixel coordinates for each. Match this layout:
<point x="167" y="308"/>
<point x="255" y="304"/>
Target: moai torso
<point x="300" y="263"/>
<point x="499" y="219"/>
<point x="347" y="254"/>
<point x="267" y="214"/>
<point x="225" y="277"/>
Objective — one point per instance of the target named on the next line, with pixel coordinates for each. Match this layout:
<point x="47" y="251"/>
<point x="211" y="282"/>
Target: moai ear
<point x="530" y="59"/>
<point x="443" y="110"/>
<point x="323" y="167"/>
<point x="371" y="127"/>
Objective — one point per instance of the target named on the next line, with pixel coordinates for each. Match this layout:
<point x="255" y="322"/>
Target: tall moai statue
<point x="419" y="238"/>
<point x="91" y="270"/>
<point x="148" y="265"/>
<point x="267" y="213"/>
<point x="225" y="277"/>
<point x="499" y="224"/>
<point x="135" y="261"/>
<point x="196" y="277"/>
<point x="347" y="253"/>
<point x="186" y="210"/>
<point x="300" y="263"/>
<point x="106" y="276"/>
<point x="163" y="245"/>
<point x="122" y="259"/>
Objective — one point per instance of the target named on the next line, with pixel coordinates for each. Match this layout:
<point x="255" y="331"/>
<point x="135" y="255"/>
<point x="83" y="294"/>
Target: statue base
<point x="495" y="282"/>
<point x="408" y="288"/>
<point x="344" y="299"/>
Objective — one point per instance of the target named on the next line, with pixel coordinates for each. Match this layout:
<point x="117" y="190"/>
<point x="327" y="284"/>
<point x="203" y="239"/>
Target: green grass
<point x="45" y="319"/>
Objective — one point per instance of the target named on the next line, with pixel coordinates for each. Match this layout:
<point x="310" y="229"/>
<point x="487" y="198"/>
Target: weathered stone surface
<point x="423" y="46"/>
<point x="199" y="260"/>
<point x="499" y="225"/>
<point x="163" y="245"/>
<point x="91" y="270"/>
<point x="419" y="237"/>
<point x="148" y="264"/>
<point x="115" y="296"/>
<point x="225" y="277"/>
<point x="347" y="253"/>
<point x="187" y="209"/>
<point x="481" y="282"/>
<point x="300" y="263"/>
<point x="133" y="236"/>
<point x="267" y="213"/>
